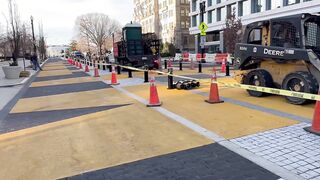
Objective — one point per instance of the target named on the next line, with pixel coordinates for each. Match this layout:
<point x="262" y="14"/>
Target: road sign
<point x="202" y="41"/>
<point x="203" y="27"/>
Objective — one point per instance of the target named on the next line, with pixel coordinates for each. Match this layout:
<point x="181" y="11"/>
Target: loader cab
<point x="286" y="32"/>
<point x="311" y="32"/>
<point x="257" y="33"/>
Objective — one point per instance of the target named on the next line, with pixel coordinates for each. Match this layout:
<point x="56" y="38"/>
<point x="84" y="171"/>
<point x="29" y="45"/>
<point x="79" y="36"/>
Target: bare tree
<point x="232" y="31"/>
<point x="42" y="43"/>
<point x="97" y="28"/>
<point x="14" y="34"/>
<point x="26" y="39"/>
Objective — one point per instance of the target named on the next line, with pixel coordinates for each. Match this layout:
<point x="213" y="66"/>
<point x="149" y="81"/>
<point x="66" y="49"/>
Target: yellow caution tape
<point x="273" y="91"/>
<point x="236" y="85"/>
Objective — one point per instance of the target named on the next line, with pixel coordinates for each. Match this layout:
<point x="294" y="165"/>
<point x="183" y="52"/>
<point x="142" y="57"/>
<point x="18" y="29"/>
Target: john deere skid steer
<point x="281" y="53"/>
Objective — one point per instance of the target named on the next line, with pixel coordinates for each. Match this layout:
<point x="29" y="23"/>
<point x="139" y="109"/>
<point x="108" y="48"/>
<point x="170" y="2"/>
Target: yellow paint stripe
<point x="271" y="102"/>
<point x="54" y="73"/>
<point x="84" y="99"/>
<point x="91" y="142"/>
<point x="64" y="81"/>
<point x="228" y="120"/>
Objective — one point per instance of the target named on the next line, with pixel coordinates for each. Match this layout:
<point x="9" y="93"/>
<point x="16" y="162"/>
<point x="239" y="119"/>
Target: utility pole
<point x="203" y="35"/>
<point x="33" y="38"/>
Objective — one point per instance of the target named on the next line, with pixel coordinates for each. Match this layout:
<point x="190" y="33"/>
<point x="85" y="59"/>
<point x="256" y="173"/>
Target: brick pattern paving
<point x="208" y="162"/>
<point x="290" y="147"/>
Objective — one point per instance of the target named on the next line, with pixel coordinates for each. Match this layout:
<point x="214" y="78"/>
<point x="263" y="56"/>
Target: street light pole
<point x="202" y="10"/>
<point x="33" y="37"/>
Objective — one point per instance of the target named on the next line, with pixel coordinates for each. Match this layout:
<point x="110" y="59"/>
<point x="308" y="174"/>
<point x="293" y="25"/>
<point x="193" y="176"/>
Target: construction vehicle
<point x="281" y="53"/>
<point x="136" y="49"/>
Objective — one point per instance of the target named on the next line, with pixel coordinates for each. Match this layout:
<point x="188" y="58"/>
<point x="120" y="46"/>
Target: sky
<point x="58" y="16"/>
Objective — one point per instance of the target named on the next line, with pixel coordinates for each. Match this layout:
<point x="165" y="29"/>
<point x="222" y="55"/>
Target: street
<point x="71" y="125"/>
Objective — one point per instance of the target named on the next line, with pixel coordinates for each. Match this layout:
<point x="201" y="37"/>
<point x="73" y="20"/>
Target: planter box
<point x="12" y="72"/>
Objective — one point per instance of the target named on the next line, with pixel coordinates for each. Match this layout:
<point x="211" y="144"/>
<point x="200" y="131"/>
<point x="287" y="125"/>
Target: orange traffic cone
<point x="96" y="72"/>
<point x="315" y="128"/>
<point x="114" y="77"/>
<point x="80" y="66"/>
<point x="87" y="69"/>
<point x="214" y="91"/>
<point x="223" y="66"/>
<point x="154" y="98"/>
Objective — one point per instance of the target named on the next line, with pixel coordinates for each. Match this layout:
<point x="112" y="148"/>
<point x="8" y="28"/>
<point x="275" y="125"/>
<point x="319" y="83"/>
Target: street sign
<point x="203" y="27"/>
<point x="202" y="41"/>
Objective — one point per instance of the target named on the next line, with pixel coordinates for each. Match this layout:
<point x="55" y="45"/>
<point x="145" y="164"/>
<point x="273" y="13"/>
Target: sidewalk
<point x="9" y="88"/>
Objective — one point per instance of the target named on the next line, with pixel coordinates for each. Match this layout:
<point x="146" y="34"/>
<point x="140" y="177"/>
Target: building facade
<point x="247" y="10"/>
<point x="57" y="50"/>
<point x="169" y="19"/>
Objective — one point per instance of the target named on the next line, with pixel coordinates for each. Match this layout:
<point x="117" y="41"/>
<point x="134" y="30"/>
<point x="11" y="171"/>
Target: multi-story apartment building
<point x="247" y="10"/>
<point x="169" y="19"/>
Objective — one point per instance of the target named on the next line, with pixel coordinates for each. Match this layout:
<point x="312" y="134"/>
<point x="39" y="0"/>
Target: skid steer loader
<point x="281" y="53"/>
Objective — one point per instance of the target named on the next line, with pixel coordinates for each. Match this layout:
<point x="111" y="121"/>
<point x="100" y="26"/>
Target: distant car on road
<point x="78" y="54"/>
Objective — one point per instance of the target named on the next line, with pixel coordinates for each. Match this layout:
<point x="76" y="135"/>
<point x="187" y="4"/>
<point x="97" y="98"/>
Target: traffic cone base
<point x="315" y="128"/>
<point x="310" y="130"/>
<point x="213" y="102"/>
<point x="154" y="105"/>
<point x="86" y="69"/>
<point x="96" y="72"/>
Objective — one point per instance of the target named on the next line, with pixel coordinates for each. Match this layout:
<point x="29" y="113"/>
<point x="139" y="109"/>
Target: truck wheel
<point x="258" y="77"/>
<point x="300" y="82"/>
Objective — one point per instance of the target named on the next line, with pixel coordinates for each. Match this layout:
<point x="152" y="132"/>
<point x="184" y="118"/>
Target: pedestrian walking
<point x="34" y="59"/>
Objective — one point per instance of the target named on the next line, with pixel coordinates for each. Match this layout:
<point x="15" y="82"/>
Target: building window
<point x="268" y="4"/>
<point x="194" y="5"/>
<point x="219" y="14"/>
<point x="274" y="4"/>
<point x="243" y="8"/>
<point x="256" y="6"/>
<point x="218" y="1"/>
<point x="182" y="12"/>
<point x="187" y="12"/>
<point x="194" y="21"/>
<point x="209" y="17"/>
<point x="187" y="24"/>
<point x="183" y="24"/>
<point x="230" y="9"/>
<point x="185" y="40"/>
<point x="209" y="3"/>
<point x="290" y="2"/>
